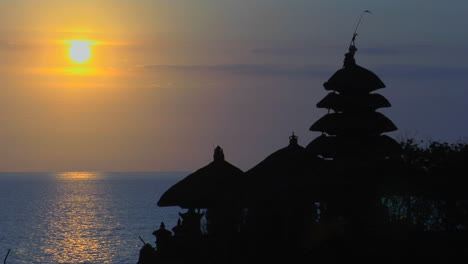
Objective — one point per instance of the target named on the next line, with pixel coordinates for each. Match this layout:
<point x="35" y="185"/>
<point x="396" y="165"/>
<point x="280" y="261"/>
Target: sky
<point x="168" y="81"/>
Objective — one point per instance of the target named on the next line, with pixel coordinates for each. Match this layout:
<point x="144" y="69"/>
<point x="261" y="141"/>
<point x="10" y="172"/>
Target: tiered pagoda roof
<point x="353" y="126"/>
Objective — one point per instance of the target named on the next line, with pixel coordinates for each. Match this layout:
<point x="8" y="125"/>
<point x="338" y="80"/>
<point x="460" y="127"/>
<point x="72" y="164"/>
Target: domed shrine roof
<point x="211" y="186"/>
<point x="285" y="169"/>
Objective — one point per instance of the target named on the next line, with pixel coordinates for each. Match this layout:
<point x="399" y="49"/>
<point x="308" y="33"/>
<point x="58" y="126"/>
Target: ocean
<point x="81" y="217"/>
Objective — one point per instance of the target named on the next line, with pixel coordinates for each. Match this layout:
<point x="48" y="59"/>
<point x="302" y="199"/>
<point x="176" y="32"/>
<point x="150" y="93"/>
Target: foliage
<point x="435" y="157"/>
<point x="432" y="165"/>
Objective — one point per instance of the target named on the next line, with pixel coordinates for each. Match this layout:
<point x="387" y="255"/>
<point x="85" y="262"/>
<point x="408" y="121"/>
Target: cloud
<point x="293" y="49"/>
<point x="296" y="49"/>
<point x="282" y="51"/>
<point x="315" y="50"/>
<point x="380" y="51"/>
<point x="407" y="71"/>
<point x="305" y="71"/>
<point x="7" y="44"/>
<point x="418" y="72"/>
<point x="416" y="50"/>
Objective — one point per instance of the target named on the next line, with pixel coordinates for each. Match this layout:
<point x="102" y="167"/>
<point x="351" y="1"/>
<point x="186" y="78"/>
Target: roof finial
<point x="293" y="139"/>
<point x="218" y="154"/>
<point x="349" y="56"/>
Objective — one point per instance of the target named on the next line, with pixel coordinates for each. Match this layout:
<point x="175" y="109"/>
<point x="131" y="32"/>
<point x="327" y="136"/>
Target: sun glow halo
<point x="80" y="50"/>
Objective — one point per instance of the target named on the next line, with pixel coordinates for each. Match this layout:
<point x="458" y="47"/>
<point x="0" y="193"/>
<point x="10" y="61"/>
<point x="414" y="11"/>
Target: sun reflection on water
<point x="79" y="175"/>
<point x="78" y="216"/>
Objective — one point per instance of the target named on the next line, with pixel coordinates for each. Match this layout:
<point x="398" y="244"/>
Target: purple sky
<point x="170" y="80"/>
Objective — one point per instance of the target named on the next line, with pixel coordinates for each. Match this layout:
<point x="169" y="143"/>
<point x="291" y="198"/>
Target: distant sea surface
<point x="81" y="217"/>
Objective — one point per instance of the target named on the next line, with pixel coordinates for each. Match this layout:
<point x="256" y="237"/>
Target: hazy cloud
<point x="307" y="71"/>
<point x="7" y="44"/>
<point x="405" y="71"/>
<point x="292" y="49"/>
<point x="401" y="71"/>
<point x="283" y="51"/>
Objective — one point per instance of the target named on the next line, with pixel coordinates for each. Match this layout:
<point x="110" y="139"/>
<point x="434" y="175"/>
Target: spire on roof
<point x="293" y="139"/>
<point x="218" y="154"/>
<point x="349" y="56"/>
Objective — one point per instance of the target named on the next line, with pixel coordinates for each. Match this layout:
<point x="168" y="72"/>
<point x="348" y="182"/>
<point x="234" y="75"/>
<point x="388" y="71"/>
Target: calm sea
<point x="81" y="217"/>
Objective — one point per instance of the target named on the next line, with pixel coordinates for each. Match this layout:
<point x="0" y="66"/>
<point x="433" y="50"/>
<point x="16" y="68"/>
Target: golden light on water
<point x="77" y="221"/>
<point x="79" y="175"/>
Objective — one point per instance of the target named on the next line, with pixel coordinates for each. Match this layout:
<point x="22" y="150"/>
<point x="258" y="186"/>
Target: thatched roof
<point x="354" y="123"/>
<point x="354" y="80"/>
<point x="341" y="102"/>
<point x="284" y="172"/>
<point x="375" y="146"/>
<point x="214" y="185"/>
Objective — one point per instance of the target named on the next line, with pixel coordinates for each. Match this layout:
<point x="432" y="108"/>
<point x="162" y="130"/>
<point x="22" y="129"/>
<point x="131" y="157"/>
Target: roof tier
<point x="362" y="123"/>
<point x="354" y="80"/>
<point x="373" y="146"/>
<point x="342" y="102"/>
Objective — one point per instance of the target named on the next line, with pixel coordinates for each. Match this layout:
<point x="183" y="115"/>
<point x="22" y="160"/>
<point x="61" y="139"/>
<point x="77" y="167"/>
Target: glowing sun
<point x="80" y="51"/>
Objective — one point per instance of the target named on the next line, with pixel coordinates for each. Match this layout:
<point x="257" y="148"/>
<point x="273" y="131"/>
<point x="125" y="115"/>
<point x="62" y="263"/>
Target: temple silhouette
<point x="334" y="200"/>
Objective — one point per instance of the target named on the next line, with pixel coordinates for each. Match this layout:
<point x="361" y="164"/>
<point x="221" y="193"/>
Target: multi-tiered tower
<point x="353" y="128"/>
<point x="352" y="141"/>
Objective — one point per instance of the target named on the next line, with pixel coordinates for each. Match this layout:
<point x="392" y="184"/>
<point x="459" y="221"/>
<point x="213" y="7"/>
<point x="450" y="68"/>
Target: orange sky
<point x="170" y="80"/>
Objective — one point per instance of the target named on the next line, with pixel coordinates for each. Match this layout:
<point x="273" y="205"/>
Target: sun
<point x="80" y="51"/>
